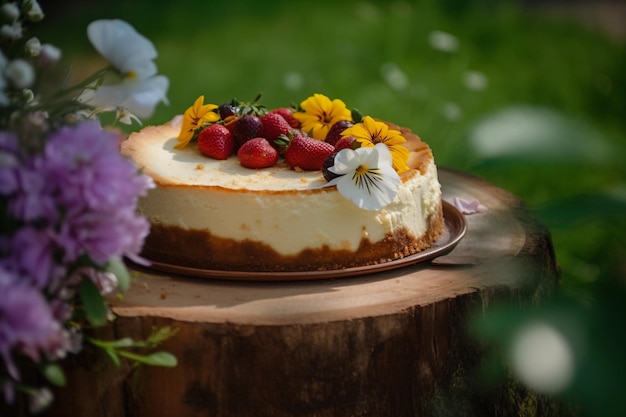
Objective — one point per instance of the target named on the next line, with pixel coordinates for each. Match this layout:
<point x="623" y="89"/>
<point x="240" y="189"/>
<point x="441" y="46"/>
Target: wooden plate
<point x="454" y="230"/>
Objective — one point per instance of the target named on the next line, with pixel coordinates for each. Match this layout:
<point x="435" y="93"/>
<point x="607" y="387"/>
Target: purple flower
<point x="31" y="254"/>
<point x="76" y="199"/>
<point x="26" y="322"/>
<point x="34" y="199"/>
<point x="97" y="190"/>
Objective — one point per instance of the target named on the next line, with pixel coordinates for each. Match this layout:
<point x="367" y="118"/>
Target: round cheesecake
<point x="217" y="215"/>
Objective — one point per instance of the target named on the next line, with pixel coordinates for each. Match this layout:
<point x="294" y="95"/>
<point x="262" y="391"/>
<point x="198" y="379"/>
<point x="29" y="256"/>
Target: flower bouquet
<point x="67" y="199"/>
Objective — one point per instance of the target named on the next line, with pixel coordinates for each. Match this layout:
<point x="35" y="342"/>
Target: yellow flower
<point x="193" y="119"/>
<point x="370" y="132"/>
<point x="320" y="113"/>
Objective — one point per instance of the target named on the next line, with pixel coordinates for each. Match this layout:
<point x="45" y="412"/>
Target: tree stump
<point x="393" y="343"/>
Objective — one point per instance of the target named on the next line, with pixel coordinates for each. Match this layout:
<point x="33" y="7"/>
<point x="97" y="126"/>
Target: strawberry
<point x="274" y="125"/>
<point x="306" y="153"/>
<point x="216" y="141"/>
<point x="287" y="114"/>
<point x="257" y="153"/>
<point x="346" y="142"/>
<point x="334" y="134"/>
<point x="246" y="127"/>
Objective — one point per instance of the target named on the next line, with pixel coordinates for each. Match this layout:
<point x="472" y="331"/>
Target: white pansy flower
<point x="366" y="176"/>
<point x="20" y="73"/>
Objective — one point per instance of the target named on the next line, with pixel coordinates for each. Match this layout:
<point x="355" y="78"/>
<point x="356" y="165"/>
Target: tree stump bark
<point x="393" y="343"/>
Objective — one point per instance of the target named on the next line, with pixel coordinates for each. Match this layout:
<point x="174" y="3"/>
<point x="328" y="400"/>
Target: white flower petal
<point x="346" y="161"/>
<point x="145" y="96"/>
<point x="126" y="49"/>
<point x="136" y="97"/>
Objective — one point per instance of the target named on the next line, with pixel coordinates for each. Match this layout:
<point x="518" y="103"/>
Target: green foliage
<point x="95" y="307"/>
<point x="129" y="348"/>
<point x="53" y="372"/>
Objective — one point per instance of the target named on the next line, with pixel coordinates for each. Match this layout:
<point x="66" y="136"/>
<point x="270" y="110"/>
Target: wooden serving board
<point x="393" y="343"/>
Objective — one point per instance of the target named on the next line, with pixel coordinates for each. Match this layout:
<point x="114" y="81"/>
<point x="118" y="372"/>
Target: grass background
<point x="515" y="78"/>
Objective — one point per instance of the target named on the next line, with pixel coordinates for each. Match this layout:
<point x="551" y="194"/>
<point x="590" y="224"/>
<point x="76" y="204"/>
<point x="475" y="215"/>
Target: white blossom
<point x="131" y="54"/>
<point x="366" y="176"/>
<point x="20" y="73"/>
<point x="33" y="47"/>
<point x="128" y="51"/>
<point x="10" y="11"/>
<point x="11" y="31"/>
<point x="50" y="54"/>
<point x="33" y="10"/>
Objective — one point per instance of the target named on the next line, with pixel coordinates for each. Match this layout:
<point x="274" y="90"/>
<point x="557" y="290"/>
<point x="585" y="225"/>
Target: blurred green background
<point x="534" y="102"/>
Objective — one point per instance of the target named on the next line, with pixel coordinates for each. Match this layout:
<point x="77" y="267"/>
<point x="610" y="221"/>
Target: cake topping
<point x="246" y="128"/>
<point x="195" y="118"/>
<point x="334" y="134"/>
<point x="215" y="141"/>
<point x="319" y="114"/>
<point x="319" y="134"/>
<point x="274" y="125"/>
<point x="370" y="132"/>
<point x="366" y="176"/>
<point x="306" y="153"/>
<point x="257" y="153"/>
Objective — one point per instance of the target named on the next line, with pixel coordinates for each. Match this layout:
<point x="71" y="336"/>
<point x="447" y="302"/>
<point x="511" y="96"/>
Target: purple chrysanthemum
<point x="97" y="189"/>
<point x="74" y="200"/>
<point x="26" y="322"/>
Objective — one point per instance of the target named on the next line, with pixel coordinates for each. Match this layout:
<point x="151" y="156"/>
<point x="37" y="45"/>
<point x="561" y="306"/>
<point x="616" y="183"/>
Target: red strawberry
<point x="306" y="153"/>
<point x="246" y="127"/>
<point x="216" y="141"/>
<point x="274" y="125"/>
<point x="346" y="142"/>
<point x="257" y="153"/>
<point x="287" y="114"/>
<point x="334" y="134"/>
